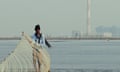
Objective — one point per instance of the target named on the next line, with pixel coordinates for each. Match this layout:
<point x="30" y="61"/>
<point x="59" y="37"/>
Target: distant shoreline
<point x="10" y="38"/>
<point x="62" y="38"/>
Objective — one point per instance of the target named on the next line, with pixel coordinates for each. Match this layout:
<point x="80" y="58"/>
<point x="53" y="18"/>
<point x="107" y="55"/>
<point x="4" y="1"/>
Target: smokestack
<point x="88" y="17"/>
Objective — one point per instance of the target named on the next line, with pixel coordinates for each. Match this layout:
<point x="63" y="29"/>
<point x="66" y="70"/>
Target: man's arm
<point x="48" y="44"/>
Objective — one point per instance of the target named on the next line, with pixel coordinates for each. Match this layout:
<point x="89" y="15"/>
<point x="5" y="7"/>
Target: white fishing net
<point x="21" y="59"/>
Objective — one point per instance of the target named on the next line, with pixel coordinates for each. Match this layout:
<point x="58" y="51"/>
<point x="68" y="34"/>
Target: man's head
<point x="37" y="28"/>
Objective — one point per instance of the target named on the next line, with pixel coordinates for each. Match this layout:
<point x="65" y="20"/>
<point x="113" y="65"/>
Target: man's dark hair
<point x="37" y="27"/>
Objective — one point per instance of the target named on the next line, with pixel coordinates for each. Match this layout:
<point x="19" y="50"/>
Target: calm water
<point x="78" y="55"/>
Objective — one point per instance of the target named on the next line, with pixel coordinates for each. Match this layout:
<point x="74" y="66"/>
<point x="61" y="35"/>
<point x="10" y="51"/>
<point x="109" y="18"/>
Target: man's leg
<point x="34" y="60"/>
<point x="39" y="66"/>
<point x="39" y="60"/>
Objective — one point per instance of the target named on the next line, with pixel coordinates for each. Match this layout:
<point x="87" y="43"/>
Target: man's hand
<point x="49" y="46"/>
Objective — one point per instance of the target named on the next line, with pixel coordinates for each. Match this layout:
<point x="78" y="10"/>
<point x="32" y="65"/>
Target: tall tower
<point x="88" y="17"/>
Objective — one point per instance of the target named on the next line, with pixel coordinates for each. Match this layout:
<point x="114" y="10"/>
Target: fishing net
<point x="21" y="59"/>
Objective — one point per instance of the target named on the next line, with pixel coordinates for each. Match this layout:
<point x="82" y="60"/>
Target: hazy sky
<point x="56" y="17"/>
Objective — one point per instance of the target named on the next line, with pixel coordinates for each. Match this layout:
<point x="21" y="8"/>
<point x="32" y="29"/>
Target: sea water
<point x="77" y="55"/>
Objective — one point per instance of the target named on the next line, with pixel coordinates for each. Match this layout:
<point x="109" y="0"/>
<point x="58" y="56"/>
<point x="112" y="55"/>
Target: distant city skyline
<point x="114" y="30"/>
<point x="56" y="17"/>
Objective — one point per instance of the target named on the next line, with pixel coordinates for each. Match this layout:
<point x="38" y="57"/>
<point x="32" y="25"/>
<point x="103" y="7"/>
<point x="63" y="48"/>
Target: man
<point x="38" y="38"/>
